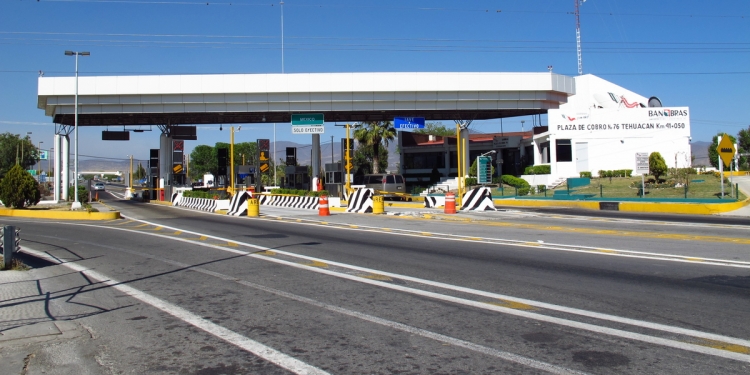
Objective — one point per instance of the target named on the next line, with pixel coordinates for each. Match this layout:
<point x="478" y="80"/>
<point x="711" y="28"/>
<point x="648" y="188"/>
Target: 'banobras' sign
<point x="656" y="113"/>
<point x="616" y="122"/>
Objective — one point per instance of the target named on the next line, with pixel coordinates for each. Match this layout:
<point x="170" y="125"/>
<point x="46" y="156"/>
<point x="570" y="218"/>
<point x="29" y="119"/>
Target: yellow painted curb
<point x="337" y="209"/>
<point x="60" y="215"/>
<point x="683" y="208"/>
<point x="164" y="203"/>
<point x="546" y="203"/>
<point x="404" y="205"/>
<point x="662" y="207"/>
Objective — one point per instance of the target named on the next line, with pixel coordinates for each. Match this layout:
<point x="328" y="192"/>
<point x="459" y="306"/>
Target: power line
<point x="401" y="8"/>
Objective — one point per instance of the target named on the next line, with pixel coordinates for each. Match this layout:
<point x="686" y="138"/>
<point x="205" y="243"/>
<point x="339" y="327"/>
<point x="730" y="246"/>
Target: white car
<point x="98" y="186"/>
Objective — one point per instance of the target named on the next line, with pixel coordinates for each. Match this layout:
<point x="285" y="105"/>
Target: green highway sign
<point x="307" y="119"/>
<point x="484" y="170"/>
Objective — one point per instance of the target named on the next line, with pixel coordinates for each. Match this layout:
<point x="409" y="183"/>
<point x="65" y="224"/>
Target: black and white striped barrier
<point x="360" y="201"/>
<point x="479" y="199"/>
<point x="307" y="203"/>
<point x="238" y="204"/>
<point x="202" y="204"/>
<point x="434" y="201"/>
<point x="176" y="198"/>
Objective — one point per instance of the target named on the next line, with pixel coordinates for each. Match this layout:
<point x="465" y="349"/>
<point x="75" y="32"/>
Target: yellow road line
<point x="316" y="263"/>
<point x="375" y="276"/>
<point x="725" y="346"/>
<point x="606" y="251"/>
<point x="512" y="305"/>
<point x="657" y="235"/>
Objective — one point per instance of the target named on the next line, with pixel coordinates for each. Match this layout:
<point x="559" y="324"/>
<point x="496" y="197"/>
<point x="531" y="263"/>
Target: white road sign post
<point x="641" y="168"/>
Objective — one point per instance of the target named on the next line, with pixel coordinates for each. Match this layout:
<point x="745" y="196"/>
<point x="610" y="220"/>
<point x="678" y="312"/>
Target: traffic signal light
<point x="347" y="152"/>
<point x="291" y="156"/>
<point x="264" y="155"/>
<point x="222" y="155"/>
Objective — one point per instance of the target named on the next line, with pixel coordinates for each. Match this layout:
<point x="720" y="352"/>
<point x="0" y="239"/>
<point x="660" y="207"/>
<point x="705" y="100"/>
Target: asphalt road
<point x="170" y="290"/>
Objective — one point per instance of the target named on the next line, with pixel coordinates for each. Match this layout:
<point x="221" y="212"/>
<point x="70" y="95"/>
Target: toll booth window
<point x="390" y="179"/>
<point x="564" y="152"/>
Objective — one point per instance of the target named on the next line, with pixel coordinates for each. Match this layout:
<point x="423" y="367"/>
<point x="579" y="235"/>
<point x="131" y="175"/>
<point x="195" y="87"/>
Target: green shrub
<point x="18" y="189"/>
<point x="83" y="196"/>
<point x="537" y="169"/>
<point x="514" y="181"/>
<point x="585" y="174"/>
<point x="523" y="191"/>
<point x="657" y="167"/>
<point x="470" y="181"/>
<point x="199" y="194"/>
<point x="542" y="188"/>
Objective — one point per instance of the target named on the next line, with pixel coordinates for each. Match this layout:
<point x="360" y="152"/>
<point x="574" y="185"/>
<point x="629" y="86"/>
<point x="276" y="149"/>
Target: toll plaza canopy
<point x="273" y="98"/>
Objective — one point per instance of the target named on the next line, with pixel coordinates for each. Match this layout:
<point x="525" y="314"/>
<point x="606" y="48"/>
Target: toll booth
<point x="245" y="176"/>
<point x="297" y="177"/>
<point x="334" y="179"/>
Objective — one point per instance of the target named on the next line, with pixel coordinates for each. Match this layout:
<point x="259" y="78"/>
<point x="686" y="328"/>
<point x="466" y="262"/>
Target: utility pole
<point x="578" y="35"/>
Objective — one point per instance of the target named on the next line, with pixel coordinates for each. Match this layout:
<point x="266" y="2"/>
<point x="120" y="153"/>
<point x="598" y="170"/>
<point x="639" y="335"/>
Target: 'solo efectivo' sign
<point x="308" y="123"/>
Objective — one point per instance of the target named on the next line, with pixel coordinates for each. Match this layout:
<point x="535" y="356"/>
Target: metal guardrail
<point x="10" y="243"/>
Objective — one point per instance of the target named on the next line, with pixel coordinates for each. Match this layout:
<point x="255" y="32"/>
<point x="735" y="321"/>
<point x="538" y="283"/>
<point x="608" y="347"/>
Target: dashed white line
<point x="267" y="353"/>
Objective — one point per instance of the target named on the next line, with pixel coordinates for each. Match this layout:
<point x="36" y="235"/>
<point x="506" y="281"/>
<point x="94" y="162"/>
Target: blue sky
<point x="688" y="53"/>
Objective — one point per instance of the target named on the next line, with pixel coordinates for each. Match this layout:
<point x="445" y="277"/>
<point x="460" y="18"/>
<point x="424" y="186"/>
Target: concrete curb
<point x="665" y="207"/>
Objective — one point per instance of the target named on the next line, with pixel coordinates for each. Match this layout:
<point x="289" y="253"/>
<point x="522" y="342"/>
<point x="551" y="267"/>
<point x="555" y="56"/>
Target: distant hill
<point x="303" y="157"/>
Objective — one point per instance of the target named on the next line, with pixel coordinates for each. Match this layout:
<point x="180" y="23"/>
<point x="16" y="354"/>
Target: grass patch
<point x="16" y="265"/>
<point x="628" y="187"/>
<point x="704" y="186"/>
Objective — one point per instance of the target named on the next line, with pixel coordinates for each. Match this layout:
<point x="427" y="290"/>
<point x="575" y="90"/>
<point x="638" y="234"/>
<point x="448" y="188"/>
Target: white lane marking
<point x="515" y="358"/>
<point x="486" y="306"/>
<point x="265" y="352"/>
<point x="544" y="245"/>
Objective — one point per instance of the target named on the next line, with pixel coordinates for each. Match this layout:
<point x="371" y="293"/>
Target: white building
<point x="603" y="126"/>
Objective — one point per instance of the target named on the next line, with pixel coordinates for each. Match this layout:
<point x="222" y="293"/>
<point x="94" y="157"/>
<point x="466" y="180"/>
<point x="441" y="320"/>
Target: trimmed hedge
<point x="300" y="192"/>
<point x="585" y="174"/>
<point x="538" y="169"/>
<point x="615" y="173"/>
<point x="198" y="194"/>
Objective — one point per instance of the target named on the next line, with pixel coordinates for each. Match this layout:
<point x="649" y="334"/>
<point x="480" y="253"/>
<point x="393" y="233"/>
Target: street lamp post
<point x="39" y="156"/>
<point x="49" y="159"/>
<point x="130" y="182"/>
<point x="76" y="204"/>
<point x="231" y="159"/>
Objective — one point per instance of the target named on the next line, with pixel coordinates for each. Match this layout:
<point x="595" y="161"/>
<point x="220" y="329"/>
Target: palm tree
<point x="373" y="134"/>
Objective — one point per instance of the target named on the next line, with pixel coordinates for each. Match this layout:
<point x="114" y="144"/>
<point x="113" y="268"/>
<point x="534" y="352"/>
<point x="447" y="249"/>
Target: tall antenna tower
<point x="578" y="34"/>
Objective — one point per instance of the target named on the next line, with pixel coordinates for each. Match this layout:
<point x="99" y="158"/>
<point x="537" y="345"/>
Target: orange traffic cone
<point x="323" y="206"/>
<point x="450" y="203"/>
